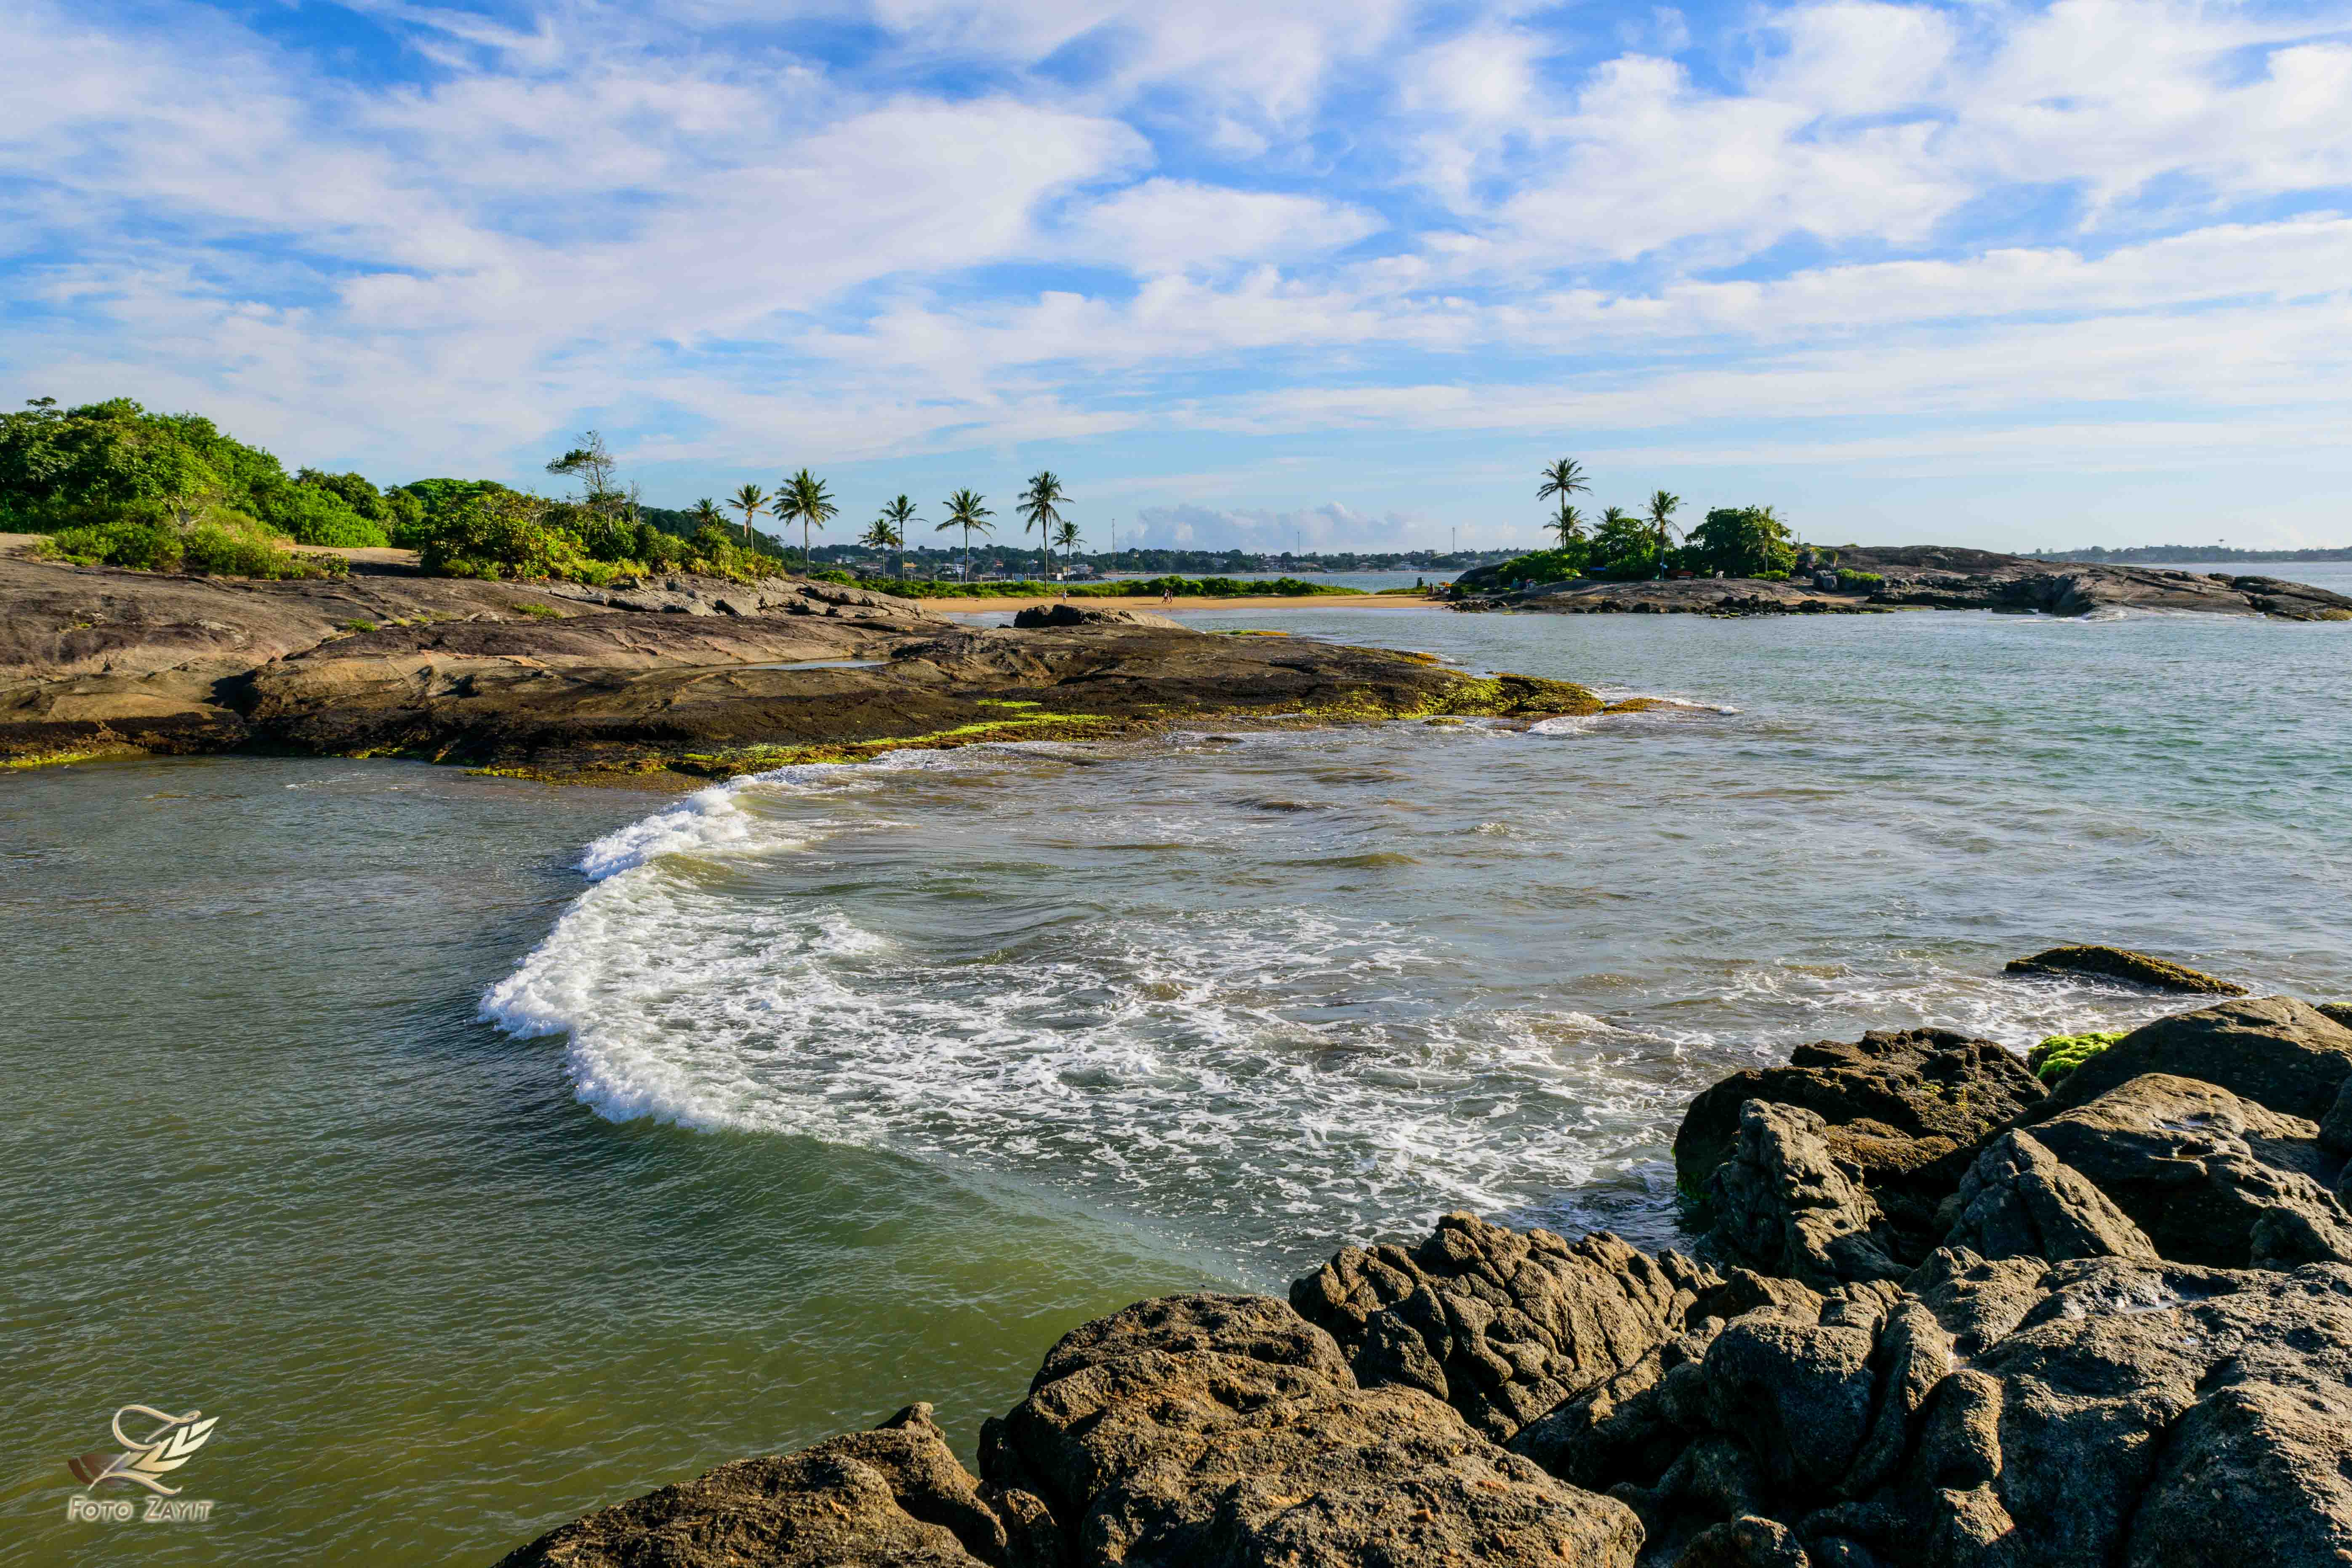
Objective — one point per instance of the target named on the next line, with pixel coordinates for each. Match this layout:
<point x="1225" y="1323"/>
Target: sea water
<point x="480" y="1150"/>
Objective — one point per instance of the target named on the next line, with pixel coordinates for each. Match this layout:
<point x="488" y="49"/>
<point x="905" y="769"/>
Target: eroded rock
<point x="1501" y="1324"/>
<point x="1254" y="1444"/>
<point x="892" y="1496"/>
<point x="2274" y="1051"/>
<point x="1906" y="1109"/>
<point x="1787" y="1203"/>
<point x="2122" y="963"/>
<point x="2019" y="1200"/>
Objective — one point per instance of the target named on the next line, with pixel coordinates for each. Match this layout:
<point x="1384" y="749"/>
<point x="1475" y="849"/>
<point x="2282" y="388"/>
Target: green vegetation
<point x="1037" y="510"/>
<point x="1860" y="581"/>
<point x="539" y="612"/>
<point x="2060" y="1055"/>
<point x="1130" y="588"/>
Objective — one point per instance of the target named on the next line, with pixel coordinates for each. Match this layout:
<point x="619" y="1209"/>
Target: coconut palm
<point x="1662" y="522"/>
<point x="1568" y="523"/>
<point x="803" y="497"/>
<point x="706" y="513"/>
<point x="1066" y="536"/>
<point x="751" y="501"/>
<point x="1038" y="504"/>
<point x="1563" y="478"/>
<point x="896" y="513"/>
<point x="964" y="511"/>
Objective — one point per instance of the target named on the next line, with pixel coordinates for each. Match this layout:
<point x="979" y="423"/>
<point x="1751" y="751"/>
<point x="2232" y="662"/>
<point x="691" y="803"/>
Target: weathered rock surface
<point x="2208" y="1177"/>
<point x="1214" y="1432"/>
<point x="1501" y="1324"/>
<point x="2274" y="1050"/>
<point x="1906" y="1108"/>
<point x="700" y="676"/>
<point x="2019" y="1200"/>
<point x="2095" y="1411"/>
<point x="1068" y="615"/>
<point x="1786" y="1203"/>
<point x="2123" y="964"/>
<point x="895" y="1495"/>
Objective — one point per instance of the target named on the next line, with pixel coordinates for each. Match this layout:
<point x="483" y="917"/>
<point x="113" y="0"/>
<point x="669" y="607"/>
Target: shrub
<point x="140" y="545"/>
<point x="214" y="550"/>
<point x="1850" y="578"/>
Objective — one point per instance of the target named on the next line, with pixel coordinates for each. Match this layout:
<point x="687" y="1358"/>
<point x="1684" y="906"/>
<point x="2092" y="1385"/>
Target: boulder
<point x="2122" y="963"/>
<point x="1786" y="1203"/>
<point x="2210" y="1177"/>
<point x="2100" y="1410"/>
<point x="886" y="1498"/>
<point x="1906" y="1107"/>
<point x="1251" y="1443"/>
<point x="2274" y="1051"/>
<point x="1064" y="613"/>
<point x="2019" y="1200"/>
<point x="2341" y="1011"/>
<point x="1501" y="1324"/>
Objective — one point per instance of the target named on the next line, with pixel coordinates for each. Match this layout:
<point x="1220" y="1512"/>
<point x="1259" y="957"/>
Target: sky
<point x="1343" y="274"/>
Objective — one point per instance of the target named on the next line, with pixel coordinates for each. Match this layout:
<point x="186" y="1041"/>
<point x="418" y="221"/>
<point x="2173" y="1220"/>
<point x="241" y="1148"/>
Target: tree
<point x="705" y="513"/>
<point x="1744" y="542"/>
<point x="1037" y="505"/>
<point x="1622" y="543"/>
<point x="751" y="501"/>
<point x="896" y="513"/>
<point x="592" y="464"/>
<point x="1068" y="537"/>
<point x="1568" y="523"/>
<point x="964" y="511"/>
<point x="1563" y="478"/>
<point x="804" y="497"/>
<point x="1662" y="522"/>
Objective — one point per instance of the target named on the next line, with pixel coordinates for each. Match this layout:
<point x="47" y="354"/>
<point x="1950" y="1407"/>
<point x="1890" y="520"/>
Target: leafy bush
<point x="1743" y="542"/>
<point x="314" y="514"/>
<point x="142" y="546"/>
<point x="1860" y="581"/>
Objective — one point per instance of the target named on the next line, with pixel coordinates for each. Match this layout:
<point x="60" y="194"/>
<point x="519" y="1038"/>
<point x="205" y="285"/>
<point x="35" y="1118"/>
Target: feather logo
<point x="172" y="1442"/>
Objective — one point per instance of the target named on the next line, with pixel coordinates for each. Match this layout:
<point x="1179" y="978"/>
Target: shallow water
<point x="818" y="1093"/>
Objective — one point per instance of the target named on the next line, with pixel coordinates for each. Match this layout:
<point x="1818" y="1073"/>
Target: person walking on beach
<point x="1167" y="596"/>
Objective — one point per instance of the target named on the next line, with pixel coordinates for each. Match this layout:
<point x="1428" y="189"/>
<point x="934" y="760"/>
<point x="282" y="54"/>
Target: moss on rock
<point x="2122" y="963"/>
<point x="2059" y="1054"/>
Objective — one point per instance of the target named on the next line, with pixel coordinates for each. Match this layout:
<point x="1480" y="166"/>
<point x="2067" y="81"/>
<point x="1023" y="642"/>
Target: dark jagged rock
<point x="1036" y="616"/>
<point x="1906" y="1109"/>
<point x="892" y="1496"/>
<point x="2277" y="1051"/>
<point x="2019" y="1200"/>
<point x="2095" y="1411"/>
<point x="1252" y="1445"/>
<point x="2122" y="963"/>
<point x="2341" y="1011"/>
<point x="2210" y="1177"/>
<point x="1785" y="1203"/>
<point x="1501" y="1324"/>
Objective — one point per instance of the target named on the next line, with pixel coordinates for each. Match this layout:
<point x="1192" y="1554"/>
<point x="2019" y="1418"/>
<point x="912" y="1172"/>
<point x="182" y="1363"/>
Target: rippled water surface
<point x="479" y="1151"/>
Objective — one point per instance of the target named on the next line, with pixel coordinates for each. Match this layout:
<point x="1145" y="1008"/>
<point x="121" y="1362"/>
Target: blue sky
<point x="1351" y="272"/>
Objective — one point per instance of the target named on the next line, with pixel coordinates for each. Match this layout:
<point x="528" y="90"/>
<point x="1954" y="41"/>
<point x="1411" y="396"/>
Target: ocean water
<point x="480" y="1150"/>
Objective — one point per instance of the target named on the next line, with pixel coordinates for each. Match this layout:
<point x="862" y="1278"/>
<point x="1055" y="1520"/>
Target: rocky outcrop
<point x="1925" y="577"/>
<point x="1501" y="1324"/>
<point x="2122" y="963"/>
<point x="1906" y="1110"/>
<point x="1786" y="1203"/>
<point x="1219" y="1431"/>
<point x="2211" y="1178"/>
<point x="2274" y="1050"/>
<point x="2019" y="1200"/>
<point x="1039" y="617"/>
<point x="2092" y="1411"/>
<point x="677" y="678"/>
<point x="892" y="1496"/>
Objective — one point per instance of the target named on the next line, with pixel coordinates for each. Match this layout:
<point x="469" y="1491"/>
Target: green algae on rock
<point x="2059" y="1054"/>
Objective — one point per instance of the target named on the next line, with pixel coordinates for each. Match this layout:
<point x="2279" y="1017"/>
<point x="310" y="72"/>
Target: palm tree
<point x="706" y="513"/>
<point x="896" y="515"/>
<point x="1037" y="504"/>
<point x="1662" y="521"/>
<point x="1563" y="480"/>
<point x="965" y="511"/>
<point x="1066" y="536"/>
<point x="751" y="501"/>
<point x="1568" y="523"/>
<point x="804" y="497"/>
